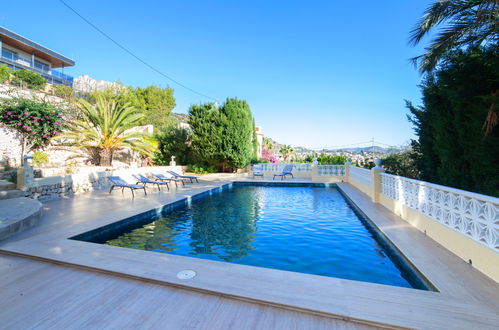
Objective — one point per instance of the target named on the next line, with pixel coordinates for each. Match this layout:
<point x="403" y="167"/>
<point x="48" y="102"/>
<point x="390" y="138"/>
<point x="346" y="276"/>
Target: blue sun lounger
<point x="178" y="176"/>
<point x="285" y="171"/>
<point x="118" y="182"/>
<point x="164" y="178"/>
<point x="145" y="180"/>
<point x="257" y="171"/>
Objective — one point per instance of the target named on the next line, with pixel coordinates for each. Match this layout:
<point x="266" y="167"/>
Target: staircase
<point x="8" y="190"/>
<point x="17" y="212"/>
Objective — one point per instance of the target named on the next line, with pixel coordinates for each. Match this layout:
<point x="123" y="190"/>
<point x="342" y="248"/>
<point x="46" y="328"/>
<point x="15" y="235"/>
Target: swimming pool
<point x="301" y="228"/>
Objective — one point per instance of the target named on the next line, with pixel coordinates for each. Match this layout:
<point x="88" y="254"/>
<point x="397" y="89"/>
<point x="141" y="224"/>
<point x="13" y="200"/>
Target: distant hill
<point x="356" y="150"/>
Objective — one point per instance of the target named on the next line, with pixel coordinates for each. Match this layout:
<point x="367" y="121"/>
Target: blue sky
<point x="315" y="73"/>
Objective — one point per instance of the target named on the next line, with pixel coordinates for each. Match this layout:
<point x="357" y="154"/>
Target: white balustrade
<point x="331" y="170"/>
<point x="361" y="175"/>
<point x="278" y="167"/>
<point x="473" y="215"/>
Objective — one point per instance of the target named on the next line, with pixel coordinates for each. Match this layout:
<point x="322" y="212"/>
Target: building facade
<point x="20" y="53"/>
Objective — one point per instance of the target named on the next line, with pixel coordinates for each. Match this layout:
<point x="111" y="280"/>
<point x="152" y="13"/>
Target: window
<point x="41" y="66"/>
<point x="9" y="54"/>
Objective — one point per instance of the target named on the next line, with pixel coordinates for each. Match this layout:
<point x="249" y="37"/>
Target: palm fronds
<point x="466" y="23"/>
<point x="107" y="126"/>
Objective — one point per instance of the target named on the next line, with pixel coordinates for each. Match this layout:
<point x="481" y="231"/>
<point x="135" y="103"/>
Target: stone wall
<point x="10" y="147"/>
<point x="45" y="189"/>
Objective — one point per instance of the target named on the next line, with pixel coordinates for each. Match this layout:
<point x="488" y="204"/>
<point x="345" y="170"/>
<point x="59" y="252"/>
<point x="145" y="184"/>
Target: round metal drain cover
<point x="186" y="274"/>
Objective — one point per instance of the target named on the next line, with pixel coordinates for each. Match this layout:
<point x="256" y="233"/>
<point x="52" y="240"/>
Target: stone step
<point x="8" y="194"/>
<point x="18" y="214"/>
<point x="7" y="185"/>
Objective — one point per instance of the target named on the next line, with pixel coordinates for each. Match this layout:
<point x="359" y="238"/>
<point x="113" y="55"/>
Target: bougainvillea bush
<point x="35" y="122"/>
<point x="269" y="156"/>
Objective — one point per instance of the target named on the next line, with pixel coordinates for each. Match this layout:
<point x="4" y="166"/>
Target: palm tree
<point x="468" y="23"/>
<point x="267" y="143"/>
<point x="106" y="126"/>
<point x="286" y="151"/>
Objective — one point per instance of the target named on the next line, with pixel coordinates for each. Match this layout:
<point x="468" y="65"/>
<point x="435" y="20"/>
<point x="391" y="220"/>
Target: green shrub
<point x="202" y="169"/>
<point x="40" y="158"/>
<point x="28" y="79"/>
<point x="62" y="91"/>
<point x="5" y="73"/>
<point x="173" y="141"/>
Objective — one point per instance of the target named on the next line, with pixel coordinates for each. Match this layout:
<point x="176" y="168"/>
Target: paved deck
<point x="98" y="282"/>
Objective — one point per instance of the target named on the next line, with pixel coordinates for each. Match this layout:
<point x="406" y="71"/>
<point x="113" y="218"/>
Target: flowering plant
<point x="35" y="122"/>
<point x="269" y="156"/>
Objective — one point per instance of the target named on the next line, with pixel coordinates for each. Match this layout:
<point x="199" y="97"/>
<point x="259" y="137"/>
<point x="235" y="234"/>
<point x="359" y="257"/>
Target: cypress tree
<point x="456" y="100"/>
<point x="237" y="133"/>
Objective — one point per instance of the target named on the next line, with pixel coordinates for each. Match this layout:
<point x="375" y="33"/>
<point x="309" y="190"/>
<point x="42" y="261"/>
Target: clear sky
<point x="315" y="73"/>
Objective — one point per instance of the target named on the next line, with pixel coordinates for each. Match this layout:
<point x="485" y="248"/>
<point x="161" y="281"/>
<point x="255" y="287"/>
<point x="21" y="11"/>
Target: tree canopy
<point x="456" y="97"/>
<point x="464" y="23"/>
<point x="222" y="136"/>
<point x="106" y="126"/>
<point x="156" y="104"/>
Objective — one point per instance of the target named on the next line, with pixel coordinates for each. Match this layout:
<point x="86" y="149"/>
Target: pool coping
<point x="104" y="233"/>
<point x="369" y="303"/>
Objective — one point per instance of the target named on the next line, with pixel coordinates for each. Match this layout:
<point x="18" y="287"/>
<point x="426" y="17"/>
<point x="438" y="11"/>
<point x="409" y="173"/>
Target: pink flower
<point x="44" y="136"/>
<point x="56" y="123"/>
<point x="9" y="113"/>
<point x="18" y="124"/>
<point x="26" y="113"/>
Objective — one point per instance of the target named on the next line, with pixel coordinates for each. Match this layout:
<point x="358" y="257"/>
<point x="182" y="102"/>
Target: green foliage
<point x="66" y="92"/>
<point x="287" y="152"/>
<point x="456" y="99"/>
<point x="206" y="140"/>
<point x="201" y="168"/>
<point x="402" y="163"/>
<point x="5" y="73"/>
<point x="106" y="127"/>
<point x="466" y="24"/>
<point x="40" y="158"/>
<point x="28" y="79"/>
<point x="222" y="136"/>
<point x="36" y="122"/>
<point x="156" y="103"/>
<point x="173" y="141"/>
<point x="153" y="102"/>
<point x="325" y="159"/>
<point x="237" y="133"/>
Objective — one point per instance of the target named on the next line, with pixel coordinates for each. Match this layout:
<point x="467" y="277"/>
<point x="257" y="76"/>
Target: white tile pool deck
<point x="63" y="283"/>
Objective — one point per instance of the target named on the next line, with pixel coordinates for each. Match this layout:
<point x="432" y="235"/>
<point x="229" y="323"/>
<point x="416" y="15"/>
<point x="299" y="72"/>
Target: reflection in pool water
<point x="303" y="229"/>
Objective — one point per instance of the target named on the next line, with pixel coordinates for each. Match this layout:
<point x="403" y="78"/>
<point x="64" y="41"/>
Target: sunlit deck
<point x="63" y="283"/>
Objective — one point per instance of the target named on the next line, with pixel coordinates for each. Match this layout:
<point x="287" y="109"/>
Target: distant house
<point x="20" y="53"/>
<point x="259" y="138"/>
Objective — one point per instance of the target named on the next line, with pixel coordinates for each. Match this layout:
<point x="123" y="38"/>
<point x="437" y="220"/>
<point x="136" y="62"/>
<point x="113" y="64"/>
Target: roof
<point x="15" y="40"/>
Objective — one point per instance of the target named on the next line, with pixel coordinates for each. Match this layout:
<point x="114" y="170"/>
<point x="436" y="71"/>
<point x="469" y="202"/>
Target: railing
<point x="473" y="215"/>
<point x="278" y="167"/>
<point x="361" y="175"/>
<point x="331" y="170"/>
<point x="25" y="63"/>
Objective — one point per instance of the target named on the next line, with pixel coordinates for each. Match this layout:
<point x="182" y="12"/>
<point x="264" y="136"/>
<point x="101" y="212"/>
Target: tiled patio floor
<point x="82" y="284"/>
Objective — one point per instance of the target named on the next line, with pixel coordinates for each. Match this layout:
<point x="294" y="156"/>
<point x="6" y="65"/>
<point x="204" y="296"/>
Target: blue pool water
<point x="305" y="229"/>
